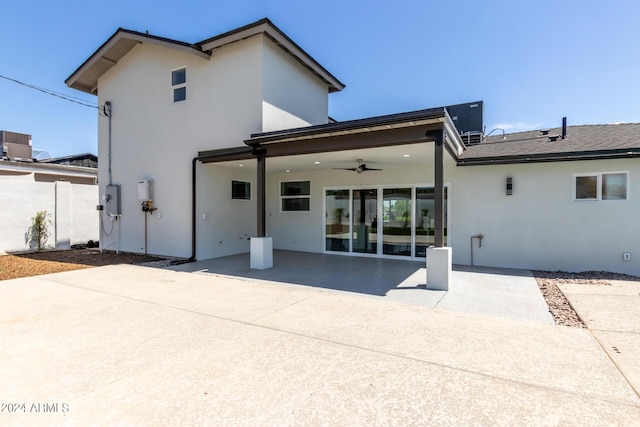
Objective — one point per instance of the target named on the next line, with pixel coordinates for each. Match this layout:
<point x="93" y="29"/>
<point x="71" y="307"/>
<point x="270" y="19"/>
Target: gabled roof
<point x="266" y="27"/>
<point x="583" y="142"/>
<point x="85" y="78"/>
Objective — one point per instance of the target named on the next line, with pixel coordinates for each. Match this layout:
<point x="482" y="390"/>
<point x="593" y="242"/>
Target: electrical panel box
<point x="145" y="190"/>
<point x="112" y="200"/>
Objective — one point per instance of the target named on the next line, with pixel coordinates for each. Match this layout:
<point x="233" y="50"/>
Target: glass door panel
<point x="396" y="215"/>
<point x="425" y="209"/>
<point x="337" y="220"/>
<point x="365" y="221"/>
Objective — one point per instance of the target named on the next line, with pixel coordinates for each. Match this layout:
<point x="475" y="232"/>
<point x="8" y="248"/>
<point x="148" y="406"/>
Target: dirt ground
<point x="35" y="264"/>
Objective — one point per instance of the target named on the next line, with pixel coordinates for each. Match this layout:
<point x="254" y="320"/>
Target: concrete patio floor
<point x="499" y="292"/>
<point x="131" y="345"/>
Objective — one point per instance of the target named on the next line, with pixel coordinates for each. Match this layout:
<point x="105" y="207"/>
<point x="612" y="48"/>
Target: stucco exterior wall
<point x="246" y="87"/>
<point x="292" y="96"/>
<point x="540" y="226"/>
<point x="71" y="208"/>
<point x="154" y="138"/>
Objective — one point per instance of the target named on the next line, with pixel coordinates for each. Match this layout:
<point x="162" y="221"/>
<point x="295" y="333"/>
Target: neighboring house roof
<point x="85" y="159"/>
<point x="581" y="143"/>
<point x="85" y="78"/>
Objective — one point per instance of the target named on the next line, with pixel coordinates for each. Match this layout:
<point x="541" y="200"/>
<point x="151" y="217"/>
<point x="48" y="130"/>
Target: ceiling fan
<point x="362" y="167"/>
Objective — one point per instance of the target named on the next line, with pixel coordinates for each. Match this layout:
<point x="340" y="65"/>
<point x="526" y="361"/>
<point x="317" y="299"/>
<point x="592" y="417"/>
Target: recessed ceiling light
<point x="287" y="171"/>
<point x="316" y="163"/>
<point x="241" y="165"/>
<point x="406" y="155"/>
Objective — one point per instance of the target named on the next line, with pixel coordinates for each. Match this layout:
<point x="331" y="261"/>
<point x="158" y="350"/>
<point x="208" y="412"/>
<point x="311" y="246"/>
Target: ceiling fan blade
<point x="344" y="169"/>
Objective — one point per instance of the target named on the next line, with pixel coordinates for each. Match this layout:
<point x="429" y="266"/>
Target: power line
<point x="52" y="93"/>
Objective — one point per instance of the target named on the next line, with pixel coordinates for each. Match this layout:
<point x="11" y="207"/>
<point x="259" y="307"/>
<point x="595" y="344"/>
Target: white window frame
<point x="179" y="85"/>
<point x="598" y="176"/>
<point x="250" y="190"/>
<point x="301" y="196"/>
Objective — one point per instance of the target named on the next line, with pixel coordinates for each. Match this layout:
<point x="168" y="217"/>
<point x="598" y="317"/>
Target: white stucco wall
<point x="153" y="138"/>
<point x="293" y="96"/>
<point x="71" y="208"/>
<point x="246" y="87"/>
<point x="224" y="225"/>
<point x="540" y="226"/>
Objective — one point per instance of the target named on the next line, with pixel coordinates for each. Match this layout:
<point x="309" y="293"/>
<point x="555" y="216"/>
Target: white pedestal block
<point x="438" y="268"/>
<point x="261" y="253"/>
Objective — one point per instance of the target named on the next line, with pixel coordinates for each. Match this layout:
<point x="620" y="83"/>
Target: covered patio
<point x="429" y="133"/>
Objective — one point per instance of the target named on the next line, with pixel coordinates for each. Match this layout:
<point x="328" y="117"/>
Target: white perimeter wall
<point x="72" y="209"/>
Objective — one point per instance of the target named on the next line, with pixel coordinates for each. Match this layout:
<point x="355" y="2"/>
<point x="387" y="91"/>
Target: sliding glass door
<point x="400" y="219"/>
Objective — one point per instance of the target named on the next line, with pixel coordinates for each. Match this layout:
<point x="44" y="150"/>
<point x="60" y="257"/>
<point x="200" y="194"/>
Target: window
<point x="601" y="186"/>
<point x="295" y="196"/>
<point x="179" y="84"/>
<point x="240" y="190"/>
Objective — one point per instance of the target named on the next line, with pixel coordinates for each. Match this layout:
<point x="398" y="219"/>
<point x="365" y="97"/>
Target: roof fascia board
<point x="266" y="27"/>
<point x="558" y="157"/>
<point x="120" y="34"/>
<point x="434" y="115"/>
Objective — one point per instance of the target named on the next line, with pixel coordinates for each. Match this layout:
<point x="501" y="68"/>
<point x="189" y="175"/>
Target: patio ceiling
<point x="383" y="157"/>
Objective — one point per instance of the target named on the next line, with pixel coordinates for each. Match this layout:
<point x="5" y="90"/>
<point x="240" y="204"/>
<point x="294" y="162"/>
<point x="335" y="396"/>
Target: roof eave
<point x="552" y="157"/>
<point x="98" y="63"/>
<point x="434" y="115"/>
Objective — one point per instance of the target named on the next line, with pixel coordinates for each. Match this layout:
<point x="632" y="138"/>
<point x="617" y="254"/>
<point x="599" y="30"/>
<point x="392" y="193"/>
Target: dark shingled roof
<point x="582" y="143"/>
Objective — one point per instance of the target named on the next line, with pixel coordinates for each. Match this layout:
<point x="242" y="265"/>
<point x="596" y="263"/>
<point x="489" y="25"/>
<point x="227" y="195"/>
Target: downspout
<point x="193" y="209"/>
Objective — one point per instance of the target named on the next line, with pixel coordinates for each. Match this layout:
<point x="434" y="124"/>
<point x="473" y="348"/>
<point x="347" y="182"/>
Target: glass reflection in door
<point x="396" y="221"/>
<point x="425" y="220"/>
<point x="365" y="221"/>
<point x="337" y="220"/>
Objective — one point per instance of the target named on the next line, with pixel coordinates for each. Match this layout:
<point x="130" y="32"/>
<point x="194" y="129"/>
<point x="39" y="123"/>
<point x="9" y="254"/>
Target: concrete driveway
<point x="132" y="345"/>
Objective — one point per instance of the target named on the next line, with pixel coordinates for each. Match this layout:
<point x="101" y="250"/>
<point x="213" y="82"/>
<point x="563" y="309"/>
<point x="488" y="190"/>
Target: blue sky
<point x="531" y="62"/>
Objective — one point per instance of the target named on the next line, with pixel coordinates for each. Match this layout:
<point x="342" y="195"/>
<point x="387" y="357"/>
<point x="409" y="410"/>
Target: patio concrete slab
<point x="612" y="313"/>
<point x="139" y="346"/>
<point x="498" y="292"/>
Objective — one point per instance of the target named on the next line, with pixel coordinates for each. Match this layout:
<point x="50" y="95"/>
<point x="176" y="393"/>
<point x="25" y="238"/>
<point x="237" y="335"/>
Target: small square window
<point x="240" y="190"/>
<point x="614" y="186"/>
<point x="179" y="94"/>
<point x="587" y="187"/>
<point x="179" y="77"/>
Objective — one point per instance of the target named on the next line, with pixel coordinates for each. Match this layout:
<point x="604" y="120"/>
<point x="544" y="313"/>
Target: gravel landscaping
<point x="559" y="306"/>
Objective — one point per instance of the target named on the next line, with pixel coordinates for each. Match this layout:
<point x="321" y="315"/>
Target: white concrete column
<point x="438" y="268"/>
<point x="62" y="218"/>
<point x="261" y="253"/>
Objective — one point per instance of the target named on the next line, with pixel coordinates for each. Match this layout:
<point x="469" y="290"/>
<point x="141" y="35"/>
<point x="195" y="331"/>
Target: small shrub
<point x="38" y="232"/>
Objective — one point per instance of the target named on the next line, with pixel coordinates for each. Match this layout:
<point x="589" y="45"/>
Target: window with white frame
<point x="601" y="186"/>
<point x="295" y="196"/>
<point x="240" y="190"/>
<point x="179" y="84"/>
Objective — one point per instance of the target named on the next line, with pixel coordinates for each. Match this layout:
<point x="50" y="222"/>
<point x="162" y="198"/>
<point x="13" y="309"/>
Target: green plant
<point x="38" y="232"/>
